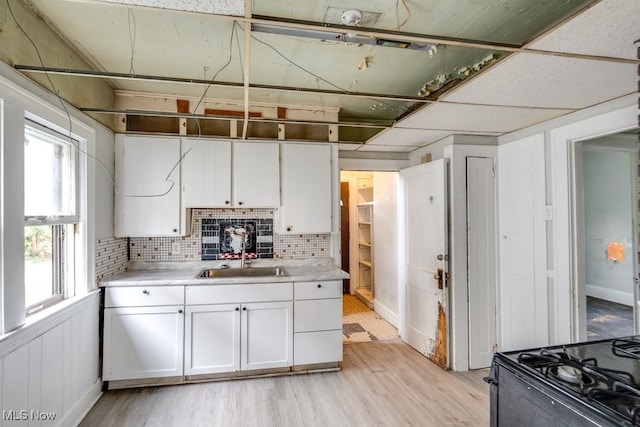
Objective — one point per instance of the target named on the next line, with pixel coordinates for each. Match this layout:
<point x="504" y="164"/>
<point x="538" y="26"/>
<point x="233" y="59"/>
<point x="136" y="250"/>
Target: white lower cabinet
<point x="239" y="335"/>
<point x="318" y="322"/>
<point x="143" y="342"/>
<point x="143" y="335"/>
<point x="172" y="331"/>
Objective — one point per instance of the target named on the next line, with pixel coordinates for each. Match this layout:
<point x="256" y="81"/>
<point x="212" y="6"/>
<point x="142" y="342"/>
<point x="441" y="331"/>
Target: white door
<point x="148" y="181"/>
<point x="206" y="173"/>
<point x="425" y="297"/>
<point x="266" y="337"/>
<point x="256" y="174"/>
<point x="481" y="261"/>
<point x="306" y="188"/>
<point x="212" y="339"/>
<point x="143" y="342"/>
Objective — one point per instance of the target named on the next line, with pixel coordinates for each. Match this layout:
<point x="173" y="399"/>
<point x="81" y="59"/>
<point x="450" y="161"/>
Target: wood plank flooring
<point x="384" y="383"/>
<point x="606" y="319"/>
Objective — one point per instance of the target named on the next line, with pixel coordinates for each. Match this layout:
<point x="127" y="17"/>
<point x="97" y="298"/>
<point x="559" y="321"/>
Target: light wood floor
<point x="384" y="383"/>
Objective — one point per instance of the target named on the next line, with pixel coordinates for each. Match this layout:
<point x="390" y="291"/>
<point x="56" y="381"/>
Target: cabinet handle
<point x="240" y="203"/>
<point x="289" y="227"/>
<point x="175" y="230"/>
<point x="179" y="311"/>
<point x="244" y="308"/>
<point x="319" y="285"/>
<point x="237" y="308"/>
<point x="226" y="202"/>
<point x="146" y="292"/>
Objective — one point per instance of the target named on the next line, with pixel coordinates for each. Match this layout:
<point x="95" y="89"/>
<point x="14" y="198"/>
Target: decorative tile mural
<point x="223" y="238"/>
<point x="298" y="246"/>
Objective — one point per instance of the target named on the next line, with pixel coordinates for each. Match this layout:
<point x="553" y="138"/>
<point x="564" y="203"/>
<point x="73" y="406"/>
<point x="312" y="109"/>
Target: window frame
<point x="64" y="228"/>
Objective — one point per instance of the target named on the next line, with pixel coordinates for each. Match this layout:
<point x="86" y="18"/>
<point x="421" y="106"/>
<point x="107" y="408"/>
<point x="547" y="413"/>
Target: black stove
<point x="594" y="383"/>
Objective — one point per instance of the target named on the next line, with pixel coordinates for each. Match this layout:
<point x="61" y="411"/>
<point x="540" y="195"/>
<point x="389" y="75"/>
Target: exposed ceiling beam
<point x="179" y="80"/>
<point x="359" y="124"/>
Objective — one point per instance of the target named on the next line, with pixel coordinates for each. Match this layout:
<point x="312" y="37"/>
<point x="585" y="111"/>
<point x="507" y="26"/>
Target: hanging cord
<point x="132" y="39"/>
<point x="398" y="24"/>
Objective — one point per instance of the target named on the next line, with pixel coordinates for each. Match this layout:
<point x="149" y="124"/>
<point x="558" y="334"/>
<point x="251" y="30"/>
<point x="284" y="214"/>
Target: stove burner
<point x="625" y="347"/>
<point x="569" y="374"/>
<point x="580" y="375"/>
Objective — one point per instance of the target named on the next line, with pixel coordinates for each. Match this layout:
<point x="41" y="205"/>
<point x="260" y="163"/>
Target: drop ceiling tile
<point x="218" y="7"/>
<point x="463" y="118"/>
<point x="609" y="28"/>
<point x="534" y="80"/>
<point x="407" y="137"/>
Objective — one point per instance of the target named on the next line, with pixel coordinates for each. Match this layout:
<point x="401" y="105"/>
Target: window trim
<point x="63" y="227"/>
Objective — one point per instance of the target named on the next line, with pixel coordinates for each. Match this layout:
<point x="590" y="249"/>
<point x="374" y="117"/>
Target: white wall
<point x="523" y="300"/>
<point x="385" y="250"/>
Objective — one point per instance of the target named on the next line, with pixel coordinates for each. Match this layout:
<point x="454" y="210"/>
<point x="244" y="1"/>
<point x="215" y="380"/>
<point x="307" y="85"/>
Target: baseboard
<point x="612" y="295"/>
<point x="83" y="406"/>
<point x="385" y="313"/>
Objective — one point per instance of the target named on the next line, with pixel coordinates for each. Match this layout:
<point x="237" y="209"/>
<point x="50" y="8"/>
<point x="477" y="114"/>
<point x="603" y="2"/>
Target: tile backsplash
<point x="110" y="257"/>
<point x="297" y="246"/>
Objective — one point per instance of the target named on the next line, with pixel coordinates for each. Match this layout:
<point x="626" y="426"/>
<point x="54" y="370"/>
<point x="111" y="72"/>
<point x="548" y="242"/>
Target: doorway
<point x="609" y="248"/>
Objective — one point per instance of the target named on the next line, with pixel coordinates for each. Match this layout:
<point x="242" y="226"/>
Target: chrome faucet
<point x="243" y="235"/>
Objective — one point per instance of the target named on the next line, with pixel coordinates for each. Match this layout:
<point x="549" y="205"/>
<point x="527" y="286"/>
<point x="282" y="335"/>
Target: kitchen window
<point x="51" y="216"/>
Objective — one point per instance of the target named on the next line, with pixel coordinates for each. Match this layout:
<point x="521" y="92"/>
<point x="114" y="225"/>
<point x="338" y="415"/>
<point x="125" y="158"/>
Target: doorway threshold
<point x="365" y="295"/>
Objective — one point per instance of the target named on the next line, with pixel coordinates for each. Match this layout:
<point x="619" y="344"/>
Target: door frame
<point x="559" y="144"/>
<point x="580" y="294"/>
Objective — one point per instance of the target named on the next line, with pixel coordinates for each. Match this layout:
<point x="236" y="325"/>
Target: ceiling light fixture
<point x="431" y="49"/>
<point x="351" y="17"/>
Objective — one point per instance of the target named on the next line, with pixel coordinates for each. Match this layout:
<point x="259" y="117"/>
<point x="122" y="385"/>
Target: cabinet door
<point x="306" y="188"/>
<point x="143" y="342"/>
<point x="147" y="200"/>
<point x="267" y="335"/>
<point x="256" y="174"/>
<point x="206" y="173"/>
<point x="212" y="339"/>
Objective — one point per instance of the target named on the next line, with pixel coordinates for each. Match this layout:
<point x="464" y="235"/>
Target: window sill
<point x="45" y="320"/>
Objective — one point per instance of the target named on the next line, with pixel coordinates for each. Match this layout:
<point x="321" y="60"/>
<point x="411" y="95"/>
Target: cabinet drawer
<point x="320" y="289"/>
<point x="317" y="315"/>
<point x="140" y="296"/>
<point x="223" y="294"/>
<point x="317" y="347"/>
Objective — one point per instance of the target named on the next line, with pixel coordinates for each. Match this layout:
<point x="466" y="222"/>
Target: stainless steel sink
<point x="242" y="272"/>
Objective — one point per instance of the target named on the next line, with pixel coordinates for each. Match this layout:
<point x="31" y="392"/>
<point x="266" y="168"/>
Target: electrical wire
<point x="72" y="141"/>
<point x="211" y="81"/>
<point x="404" y="3"/>
<point x="132" y="38"/>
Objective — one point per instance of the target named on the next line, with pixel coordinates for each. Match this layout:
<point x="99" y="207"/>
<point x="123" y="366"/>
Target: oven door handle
<point x="490" y="380"/>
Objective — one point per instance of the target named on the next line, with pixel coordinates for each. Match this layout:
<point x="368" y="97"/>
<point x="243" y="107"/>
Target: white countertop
<point x="184" y="273"/>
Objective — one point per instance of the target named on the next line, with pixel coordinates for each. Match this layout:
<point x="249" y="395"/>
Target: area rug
<point x="361" y="324"/>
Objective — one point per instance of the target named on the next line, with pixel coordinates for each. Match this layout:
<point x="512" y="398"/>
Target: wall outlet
<point x="175" y="248"/>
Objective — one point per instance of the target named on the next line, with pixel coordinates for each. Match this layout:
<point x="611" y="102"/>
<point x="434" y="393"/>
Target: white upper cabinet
<point x="256" y="174"/>
<point x="306" y="188"/>
<point x="147" y="200"/>
<point x="206" y="173"/>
